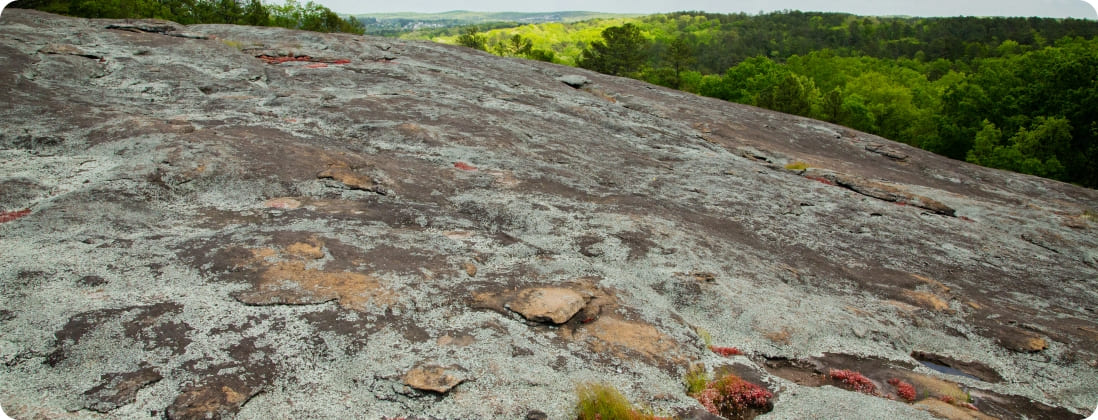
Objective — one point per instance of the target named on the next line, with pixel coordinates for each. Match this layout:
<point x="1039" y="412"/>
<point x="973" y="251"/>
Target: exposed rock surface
<point x="548" y="304"/>
<point x="440" y="379"/>
<point x="216" y="220"/>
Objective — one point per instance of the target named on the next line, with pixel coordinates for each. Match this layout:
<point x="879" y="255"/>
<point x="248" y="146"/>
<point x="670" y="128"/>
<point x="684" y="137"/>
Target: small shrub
<point x="604" y="402"/>
<point x="853" y="381"/>
<point x="732" y="397"/>
<point x="726" y="351"/>
<point x="903" y="389"/>
<point x="796" y="166"/>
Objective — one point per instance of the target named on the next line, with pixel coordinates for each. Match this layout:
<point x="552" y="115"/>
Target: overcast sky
<point x="1046" y="8"/>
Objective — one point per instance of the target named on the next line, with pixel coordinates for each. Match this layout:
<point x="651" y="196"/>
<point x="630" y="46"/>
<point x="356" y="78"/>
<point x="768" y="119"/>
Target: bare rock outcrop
<point x="229" y="221"/>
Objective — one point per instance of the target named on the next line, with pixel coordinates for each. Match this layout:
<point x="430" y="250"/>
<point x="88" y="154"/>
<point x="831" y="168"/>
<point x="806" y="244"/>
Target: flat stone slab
<point x="548" y="304"/>
<point x="434" y="378"/>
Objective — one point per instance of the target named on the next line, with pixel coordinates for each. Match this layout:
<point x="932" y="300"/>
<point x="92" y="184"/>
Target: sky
<point x="1044" y="8"/>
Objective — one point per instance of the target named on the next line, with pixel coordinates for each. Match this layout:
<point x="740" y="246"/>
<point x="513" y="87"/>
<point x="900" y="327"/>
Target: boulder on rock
<point x="434" y="378"/>
<point x="548" y="304"/>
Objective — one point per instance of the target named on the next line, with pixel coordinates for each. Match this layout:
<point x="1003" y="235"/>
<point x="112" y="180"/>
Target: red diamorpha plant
<point x="725" y="351"/>
<point x="903" y="389"/>
<point x="731" y="396"/>
<point x="969" y="406"/>
<point x="7" y="216"/>
<point x="821" y="179"/>
<point x="854" y="381"/>
<point x="947" y="399"/>
<point x="464" y="166"/>
<point x="279" y="59"/>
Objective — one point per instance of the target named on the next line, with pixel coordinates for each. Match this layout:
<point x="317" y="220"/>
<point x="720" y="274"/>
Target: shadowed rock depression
<point x="232" y="221"/>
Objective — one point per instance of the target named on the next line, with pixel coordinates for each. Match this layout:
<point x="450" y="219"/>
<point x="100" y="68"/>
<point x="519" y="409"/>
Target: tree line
<point x="309" y="16"/>
<point x="1013" y="93"/>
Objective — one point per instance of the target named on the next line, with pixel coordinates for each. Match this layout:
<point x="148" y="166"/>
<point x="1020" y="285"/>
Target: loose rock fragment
<point x="470" y="269"/>
<point x="219" y="397"/>
<point x="548" y="304"/>
<point x="1022" y="341"/>
<point x="704" y="276"/>
<point x="434" y="378"/>
<point x="574" y="80"/>
<point x="350" y="178"/>
<point x="67" y="49"/>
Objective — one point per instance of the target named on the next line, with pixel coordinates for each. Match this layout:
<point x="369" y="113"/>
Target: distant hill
<point x="397" y="23"/>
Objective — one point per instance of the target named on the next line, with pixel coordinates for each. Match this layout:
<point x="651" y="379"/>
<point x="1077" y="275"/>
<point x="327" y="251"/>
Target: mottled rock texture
<point x="226" y="221"/>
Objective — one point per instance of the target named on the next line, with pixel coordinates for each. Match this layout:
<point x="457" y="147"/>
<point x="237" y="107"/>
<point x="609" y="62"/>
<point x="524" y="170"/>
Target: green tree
<point x="831" y="106"/>
<point x="472" y="38"/>
<point x="515" y="46"/>
<point x="229" y="11"/>
<point x="987" y="140"/>
<point x="1036" y="150"/>
<point x="856" y="114"/>
<point x="620" y="53"/>
<point x="793" y="95"/>
<point x="680" y="55"/>
<point x="256" y="14"/>
<point x="744" y="82"/>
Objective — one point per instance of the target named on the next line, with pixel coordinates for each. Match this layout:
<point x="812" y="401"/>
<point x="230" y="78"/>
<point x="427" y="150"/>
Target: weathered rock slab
<point x="434" y="378"/>
<point x="548" y="304"/>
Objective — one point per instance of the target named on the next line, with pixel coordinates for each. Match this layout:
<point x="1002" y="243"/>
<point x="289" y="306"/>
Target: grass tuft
<point x="235" y="44"/>
<point x="796" y="166"/>
<point x="696" y="378"/>
<point x="599" y="401"/>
